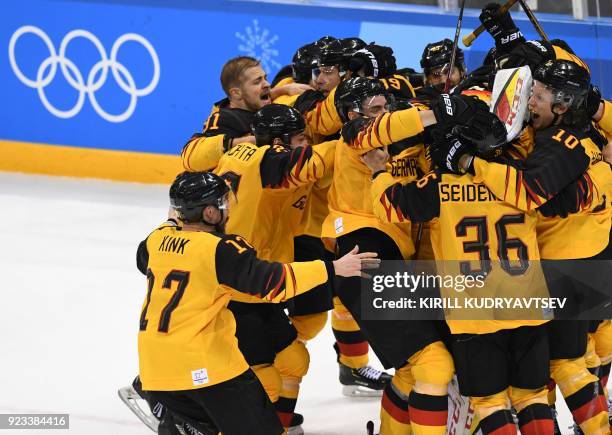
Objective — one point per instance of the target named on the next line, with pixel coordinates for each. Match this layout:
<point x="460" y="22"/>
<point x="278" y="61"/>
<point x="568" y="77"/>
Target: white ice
<point x="71" y="299"/>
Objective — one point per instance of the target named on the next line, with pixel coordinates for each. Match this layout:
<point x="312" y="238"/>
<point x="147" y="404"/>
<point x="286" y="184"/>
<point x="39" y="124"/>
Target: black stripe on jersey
<point x="278" y="164"/>
<point x="418" y="201"/>
<point x="142" y="257"/>
<point x="232" y="122"/>
<point x="237" y="266"/>
<point x="549" y="168"/>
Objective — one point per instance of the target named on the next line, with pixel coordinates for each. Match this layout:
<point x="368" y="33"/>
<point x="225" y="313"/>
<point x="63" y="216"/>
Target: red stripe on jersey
<point x="519" y="183"/>
<point x="319" y="105"/>
<point x="191" y="147"/>
<point x="277" y="287"/>
<point x="507" y="181"/>
<point x="293" y="281"/>
<point x="532" y="195"/>
<point x="376" y="125"/>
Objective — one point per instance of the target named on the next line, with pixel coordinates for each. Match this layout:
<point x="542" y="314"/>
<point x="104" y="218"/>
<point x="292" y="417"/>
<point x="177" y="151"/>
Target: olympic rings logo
<point x="89" y="85"/>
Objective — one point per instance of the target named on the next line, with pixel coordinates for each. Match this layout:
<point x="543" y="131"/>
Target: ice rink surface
<point x="71" y="300"/>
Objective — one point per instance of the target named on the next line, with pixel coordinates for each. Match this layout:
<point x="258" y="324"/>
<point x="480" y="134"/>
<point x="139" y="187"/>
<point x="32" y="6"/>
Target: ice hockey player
<point x="207" y="383"/>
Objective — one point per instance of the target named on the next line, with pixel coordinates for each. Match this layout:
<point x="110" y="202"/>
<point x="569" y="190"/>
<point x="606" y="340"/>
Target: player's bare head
<point x="245" y="83"/>
<point x="559" y="94"/>
<point x="435" y="62"/>
<point x="277" y="124"/>
<point x="201" y="198"/>
<point x="361" y="96"/>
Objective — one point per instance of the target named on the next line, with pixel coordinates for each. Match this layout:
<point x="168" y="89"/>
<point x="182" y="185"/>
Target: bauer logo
<point x="85" y="83"/>
<point x="199" y="377"/>
<point x="449" y="105"/>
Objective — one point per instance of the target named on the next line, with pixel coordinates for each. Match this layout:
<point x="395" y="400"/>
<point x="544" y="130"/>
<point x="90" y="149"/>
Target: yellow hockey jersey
<point x="350" y="207"/>
<point x="473" y="234"/>
<point x="186" y="338"/>
<point x="559" y="156"/>
<point x="271" y="184"/>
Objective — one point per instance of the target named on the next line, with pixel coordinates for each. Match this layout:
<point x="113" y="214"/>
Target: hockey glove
<point x="447" y="150"/>
<point x="452" y="110"/>
<point x="501" y="28"/>
<point x="532" y="53"/>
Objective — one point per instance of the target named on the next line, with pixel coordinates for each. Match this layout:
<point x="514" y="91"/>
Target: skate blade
<point x="131" y="398"/>
<point x="360" y="391"/>
<point x="295" y="430"/>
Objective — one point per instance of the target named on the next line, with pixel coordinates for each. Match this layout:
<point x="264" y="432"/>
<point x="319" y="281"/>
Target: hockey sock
<point x="285" y="407"/>
<point x="428" y="414"/>
<point x="589" y="408"/>
<point x="350" y="344"/>
<point x="498" y="423"/>
<point x="394" y="413"/>
<point x="536" y="419"/>
<point x="582" y="394"/>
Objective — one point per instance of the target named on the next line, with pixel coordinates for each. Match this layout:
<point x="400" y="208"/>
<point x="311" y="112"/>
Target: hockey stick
<point x="447" y="84"/>
<point x="469" y="39"/>
<point x="455" y="46"/>
<point x="533" y="20"/>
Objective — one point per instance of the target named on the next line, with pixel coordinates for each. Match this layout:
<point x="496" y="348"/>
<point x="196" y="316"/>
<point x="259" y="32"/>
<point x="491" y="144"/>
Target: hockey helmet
<point x="277" y="121"/>
<point x="191" y="192"/>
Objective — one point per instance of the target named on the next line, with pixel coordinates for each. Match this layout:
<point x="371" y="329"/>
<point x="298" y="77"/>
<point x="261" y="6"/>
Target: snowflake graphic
<point x="258" y="43"/>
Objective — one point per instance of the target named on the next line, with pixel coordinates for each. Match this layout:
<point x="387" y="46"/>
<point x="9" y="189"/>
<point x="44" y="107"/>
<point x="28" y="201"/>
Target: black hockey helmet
<point x="439" y="53"/>
<point x="351" y="94"/>
<point x="374" y="61"/>
<point x="351" y="45"/>
<point x="191" y="192"/>
<point x="277" y="121"/>
<point x="567" y="80"/>
<point x="325" y="40"/>
<point x="304" y="60"/>
<point x="333" y="54"/>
